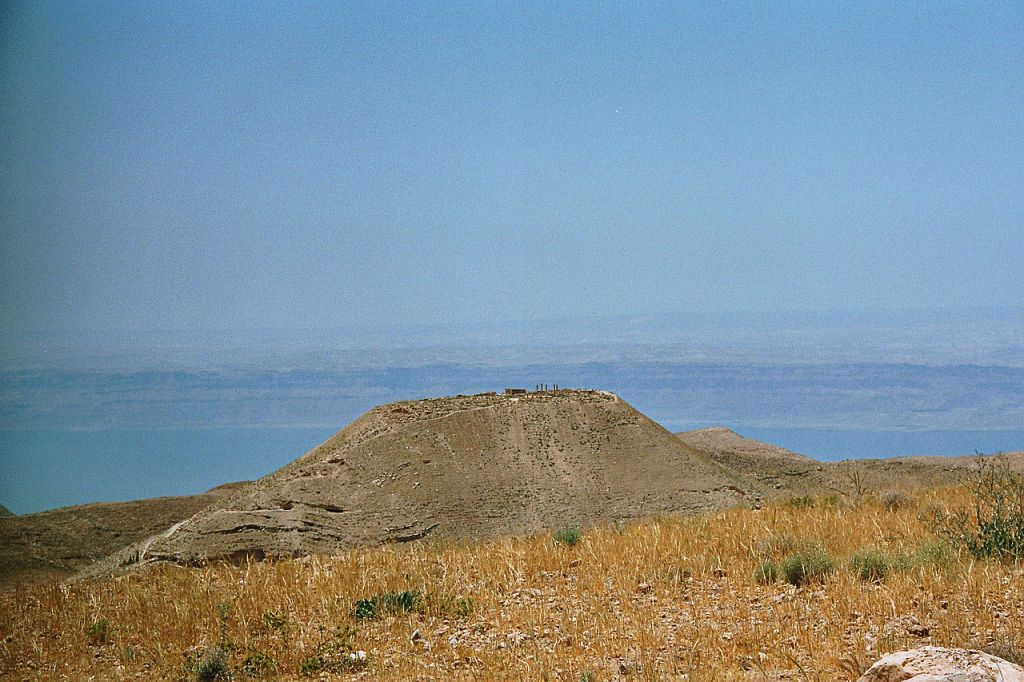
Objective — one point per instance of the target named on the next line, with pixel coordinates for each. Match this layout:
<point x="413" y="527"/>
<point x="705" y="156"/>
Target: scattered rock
<point x="628" y="667"/>
<point x="938" y="664"/>
<point x="906" y="625"/>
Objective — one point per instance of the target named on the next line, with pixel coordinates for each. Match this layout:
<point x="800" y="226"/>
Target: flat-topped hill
<point x="460" y="467"/>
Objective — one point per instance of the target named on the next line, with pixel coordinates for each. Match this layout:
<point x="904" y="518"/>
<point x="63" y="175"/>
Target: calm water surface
<point x="53" y="468"/>
<point x="43" y="469"/>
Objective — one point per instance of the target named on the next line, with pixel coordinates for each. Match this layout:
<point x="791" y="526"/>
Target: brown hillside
<point x="62" y="541"/>
<point x="719" y="442"/>
<point x="463" y="467"/>
<point x="5" y="512"/>
<point x="772" y="470"/>
<point x="762" y="467"/>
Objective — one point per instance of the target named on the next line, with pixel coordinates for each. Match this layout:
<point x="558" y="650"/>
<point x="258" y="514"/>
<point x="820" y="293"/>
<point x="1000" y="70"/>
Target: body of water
<point x="72" y="436"/>
<point x="50" y="468"/>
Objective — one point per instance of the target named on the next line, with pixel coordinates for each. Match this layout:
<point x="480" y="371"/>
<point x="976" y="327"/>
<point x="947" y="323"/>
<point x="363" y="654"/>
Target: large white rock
<point x="937" y="664"/>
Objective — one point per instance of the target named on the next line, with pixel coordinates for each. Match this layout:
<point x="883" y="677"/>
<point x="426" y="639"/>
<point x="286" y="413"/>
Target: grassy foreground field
<point x="666" y="599"/>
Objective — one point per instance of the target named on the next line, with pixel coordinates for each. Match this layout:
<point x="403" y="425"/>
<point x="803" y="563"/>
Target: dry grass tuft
<point x="653" y="600"/>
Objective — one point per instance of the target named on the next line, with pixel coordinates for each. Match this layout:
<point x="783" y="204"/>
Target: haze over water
<point x="161" y="415"/>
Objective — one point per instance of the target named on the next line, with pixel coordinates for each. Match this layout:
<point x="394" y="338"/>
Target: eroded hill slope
<point x="462" y="467"/>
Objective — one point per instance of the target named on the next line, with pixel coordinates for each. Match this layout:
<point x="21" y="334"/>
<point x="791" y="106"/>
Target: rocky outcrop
<point x="938" y="664"/>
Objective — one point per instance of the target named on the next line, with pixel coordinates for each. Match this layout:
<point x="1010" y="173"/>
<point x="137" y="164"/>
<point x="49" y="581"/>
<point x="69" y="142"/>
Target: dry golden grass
<point x="661" y="599"/>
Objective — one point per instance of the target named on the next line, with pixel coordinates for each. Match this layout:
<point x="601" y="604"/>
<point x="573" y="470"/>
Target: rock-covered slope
<point x="762" y="467"/>
<point x="462" y="467"/>
<point x="5" y="512"/>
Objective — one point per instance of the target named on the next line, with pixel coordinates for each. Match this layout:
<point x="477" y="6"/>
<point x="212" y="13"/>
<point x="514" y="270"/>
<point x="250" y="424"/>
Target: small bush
<point x="766" y="572"/>
<point x="776" y="545"/>
<point x="333" y="653"/>
<point x="936" y="554"/>
<point x="212" y="665"/>
<point x="387" y="604"/>
<point x="276" y="622"/>
<point x="458" y="607"/>
<point x="894" y="500"/>
<point x="811" y="564"/>
<point x="873" y="565"/>
<point x="1007" y="649"/>
<point x="801" y="502"/>
<point x="223" y="609"/>
<point x="366" y="609"/>
<point x="100" y="632"/>
<point x="310" y="665"/>
<point x="258" y="664"/>
<point x="568" y="536"/>
<point x="994" y="528"/>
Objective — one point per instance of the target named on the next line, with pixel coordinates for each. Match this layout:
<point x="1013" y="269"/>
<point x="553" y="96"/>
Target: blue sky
<point x="206" y="166"/>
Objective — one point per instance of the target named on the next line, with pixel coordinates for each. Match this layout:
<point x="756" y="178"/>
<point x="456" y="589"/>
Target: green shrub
<point x="458" y="607"/>
<point x="777" y="545"/>
<point x="801" y="502"/>
<point x="935" y="553"/>
<point x="994" y="527"/>
<point x="872" y="564"/>
<point x="223" y="609"/>
<point x="333" y="653"/>
<point x="568" y="536"/>
<point x="766" y="572"/>
<point x="212" y="665"/>
<point x="276" y="622"/>
<point x="366" y="609"/>
<point x="387" y="604"/>
<point x="310" y="665"/>
<point x="258" y="664"/>
<point x="811" y="564"/>
<point x="100" y="632"/>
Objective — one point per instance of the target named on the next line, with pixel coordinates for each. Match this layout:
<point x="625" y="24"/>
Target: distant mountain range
<point x="850" y="396"/>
